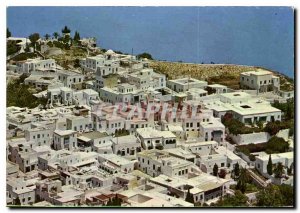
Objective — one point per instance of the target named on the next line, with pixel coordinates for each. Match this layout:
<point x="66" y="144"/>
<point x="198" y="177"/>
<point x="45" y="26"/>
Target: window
<point x="222" y="164"/>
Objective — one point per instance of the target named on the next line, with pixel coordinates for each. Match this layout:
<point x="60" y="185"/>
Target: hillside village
<point x="87" y="126"/>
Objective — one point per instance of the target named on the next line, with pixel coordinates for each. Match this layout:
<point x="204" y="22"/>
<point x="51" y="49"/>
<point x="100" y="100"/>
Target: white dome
<point x="110" y="52"/>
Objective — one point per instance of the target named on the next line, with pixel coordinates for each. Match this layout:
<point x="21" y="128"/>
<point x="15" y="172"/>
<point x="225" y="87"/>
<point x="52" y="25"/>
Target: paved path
<point x="257" y="178"/>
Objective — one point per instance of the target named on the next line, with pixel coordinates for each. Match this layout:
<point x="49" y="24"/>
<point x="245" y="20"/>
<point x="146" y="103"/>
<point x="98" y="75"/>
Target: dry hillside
<point x="226" y="74"/>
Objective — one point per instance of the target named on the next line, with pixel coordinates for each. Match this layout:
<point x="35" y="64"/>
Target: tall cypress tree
<point x="236" y="170"/>
<point x="269" y="166"/>
<point x="215" y="170"/>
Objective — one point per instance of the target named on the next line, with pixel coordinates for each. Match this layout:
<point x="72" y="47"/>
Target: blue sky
<point x="259" y="36"/>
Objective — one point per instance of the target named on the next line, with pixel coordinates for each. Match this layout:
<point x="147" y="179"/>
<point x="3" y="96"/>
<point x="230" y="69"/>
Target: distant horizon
<point x="250" y="36"/>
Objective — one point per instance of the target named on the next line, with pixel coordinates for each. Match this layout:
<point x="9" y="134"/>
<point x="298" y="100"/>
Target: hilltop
<point x="226" y="74"/>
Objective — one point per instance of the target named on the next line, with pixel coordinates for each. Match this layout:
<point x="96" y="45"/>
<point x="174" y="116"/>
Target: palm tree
<point x="47" y="36"/>
<point x="56" y="35"/>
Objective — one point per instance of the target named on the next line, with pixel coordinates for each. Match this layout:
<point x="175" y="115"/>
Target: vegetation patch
<point x="21" y="95"/>
<point x="274" y="145"/>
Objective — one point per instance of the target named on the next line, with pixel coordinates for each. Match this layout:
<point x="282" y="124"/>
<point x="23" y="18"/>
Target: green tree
<point x="222" y="173"/>
<point x="275" y="196"/>
<point x="236" y="170"/>
<point x="242" y="181"/>
<point x="12" y="47"/>
<point x="145" y="55"/>
<point x="76" y="63"/>
<point x="270" y="166"/>
<point x="20" y="95"/>
<point x="278" y="170"/>
<point x="66" y="30"/>
<point x="215" y="170"/>
<point x="287" y="193"/>
<point x="290" y="169"/>
<point x="276" y="145"/>
<point x="34" y="38"/>
<point x="47" y="36"/>
<point x="237" y="200"/>
<point x="55" y="35"/>
<point x="8" y="33"/>
<point x="76" y="36"/>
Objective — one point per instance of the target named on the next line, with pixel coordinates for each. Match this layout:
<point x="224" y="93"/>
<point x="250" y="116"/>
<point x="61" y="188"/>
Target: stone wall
<point x="259" y="137"/>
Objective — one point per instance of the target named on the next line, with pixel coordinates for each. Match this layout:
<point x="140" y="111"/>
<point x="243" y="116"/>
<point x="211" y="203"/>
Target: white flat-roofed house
<point x="286" y="159"/>
<point x="207" y="162"/>
<point x="126" y="145"/>
<point x="184" y="84"/>
<point x="54" y="96"/>
<point x="260" y="80"/>
<point x="69" y="78"/>
<point x="43" y="82"/>
<point x="31" y="65"/>
<point x="102" y="64"/>
<point x="12" y="169"/>
<point x="220" y="155"/>
<point x="25" y="155"/>
<point x="95" y="141"/>
<point x="195" y="93"/>
<point x="184" y="154"/>
<point x="68" y="197"/>
<point x="212" y="130"/>
<point x="39" y="135"/>
<point x="19" y="188"/>
<point x="151" y="197"/>
<point x="47" y="188"/>
<point x="156" y="162"/>
<point x="79" y="123"/>
<point x="192" y="122"/>
<point x="90" y="96"/>
<point x="146" y="78"/>
<point x="244" y="107"/>
<point x="203" y="187"/>
<point x="218" y="88"/>
<point x="200" y="147"/>
<point x="115" y="163"/>
<point x="63" y="160"/>
<point x="151" y="138"/>
<point x="66" y="95"/>
<point x="64" y="139"/>
<point x="105" y="122"/>
<point x="123" y="93"/>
